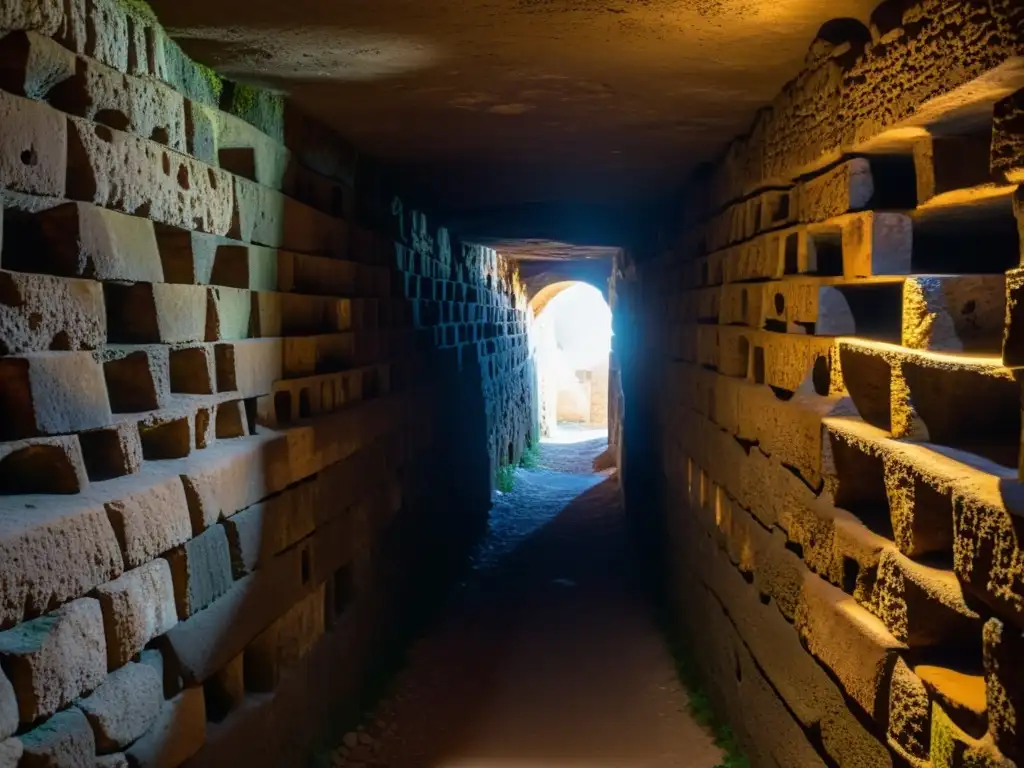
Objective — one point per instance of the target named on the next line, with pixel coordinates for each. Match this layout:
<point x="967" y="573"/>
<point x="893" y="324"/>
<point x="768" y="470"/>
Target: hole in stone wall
<point x="827" y="247"/>
<point x="759" y="372"/>
<point x="860" y="485"/>
<point x="61" y="342"/>
<point x="166" y="164"/>
<point x="38" y="469"/>
<point x="307" y="571"/>
<point x="305" y="410"/>
<point x="113" y="118"/>
<point x="343" y="589"/>
<point x="977" y="238"/>
<point x="877" y="312"/>
<point x="742" y="358"/>
<point x="183" y="180"/>
<point x="283" y="406"/>
<point x="780" y="303"/>
<point x="851" y="569"/>
<point x="213" y="178"/>
<point x="792" y="254"/>
<point x="160" y="136"/>
<point x="821" y="376"/>
<point x="29" y="157"/>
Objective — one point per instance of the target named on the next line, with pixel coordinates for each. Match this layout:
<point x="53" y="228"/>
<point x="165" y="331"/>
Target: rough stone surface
<point x="63" y="741"/>
<point x="8" y="708"/>
<point x="49" y="393"/>
<point x="150" y="518"/>
<point x="124" y="707"/>
<point x="115" y="169"/>
<point x="178" y="733"/>
<point x="33" y="150"/>
<point x="56" y="658"/>
<point x="39" y="313"/>
<point x="201" y="570"/>
<point x="136" y="608"/>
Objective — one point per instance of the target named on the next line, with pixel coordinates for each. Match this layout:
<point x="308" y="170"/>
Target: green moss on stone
<point x="139" y="8"/>
<point x="213" y="80"/>
<point x="257" y="106"/>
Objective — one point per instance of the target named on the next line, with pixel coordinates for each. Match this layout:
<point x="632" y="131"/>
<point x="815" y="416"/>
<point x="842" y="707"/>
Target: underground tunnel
<point x="511" y="384"/>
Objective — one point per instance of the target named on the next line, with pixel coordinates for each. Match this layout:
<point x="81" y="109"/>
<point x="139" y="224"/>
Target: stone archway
<point x="569" y="392"/>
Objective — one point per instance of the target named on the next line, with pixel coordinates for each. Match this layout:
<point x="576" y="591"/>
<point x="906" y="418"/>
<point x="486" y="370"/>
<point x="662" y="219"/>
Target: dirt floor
<point x="547" y="655"/>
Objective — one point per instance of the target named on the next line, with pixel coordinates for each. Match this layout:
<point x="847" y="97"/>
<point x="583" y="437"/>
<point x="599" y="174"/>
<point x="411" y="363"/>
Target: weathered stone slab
<point x="284" y="642"/>
<point x="178" y="733"/>
<point x="150" y="516"/>
<point x="143" y="107"/>
<point x="49" y="393"/>
<point x="144" y="313"/>
<point x="63" y="741"/>
<point x="31" y="64"/>
<point x="42" y="465"/>
<point x="136" y="608"/>
<point x="40" y="312"/>
<point x="52" y="549"/>
<point x="961" y="313"/>
<point x="117" y="170"/>
<point x="85" y="240"/>
<point x="911" y="393"/>
<point x="849" y="640"/>
<point x="210" y="639"/>
<point x="201" y="569"/>
<point x="124" y="707"/>
<point x="33" y="147"/>
<point x="56" y="658"/>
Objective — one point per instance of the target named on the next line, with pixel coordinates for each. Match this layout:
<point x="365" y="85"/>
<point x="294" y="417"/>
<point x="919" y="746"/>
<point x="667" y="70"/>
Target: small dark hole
<point x="213" y="178"/>
<point x="283" y="406"/>
<point x="29" y="157"/>
<point x="850" y="572"/>
<point x="183" y="177"/>
<point x="167" y="165"/>
<point x="969" y="307"/>
<point x="305" y="411"/>
<point x="764" y="598"/>
<point x="821" y="377"/>
<point x="780" y="303"/>
<point x="161" y="136"/>
<point x="306" y="570"/>
<point x="796" y="548"/>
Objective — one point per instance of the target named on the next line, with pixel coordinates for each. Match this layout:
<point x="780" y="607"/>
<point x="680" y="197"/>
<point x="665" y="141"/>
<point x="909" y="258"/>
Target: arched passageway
<point x="572" y="333"/>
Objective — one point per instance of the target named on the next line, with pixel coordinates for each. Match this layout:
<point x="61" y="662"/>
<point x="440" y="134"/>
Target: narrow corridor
<point x="547" y="655"/>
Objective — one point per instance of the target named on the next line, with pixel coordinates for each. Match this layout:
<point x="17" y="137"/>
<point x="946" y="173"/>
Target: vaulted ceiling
<point x="499" y="103"/>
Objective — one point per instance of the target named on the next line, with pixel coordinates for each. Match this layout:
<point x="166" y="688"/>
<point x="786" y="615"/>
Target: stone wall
<point x="822" y="408"/>
<point x="250" y="412"/>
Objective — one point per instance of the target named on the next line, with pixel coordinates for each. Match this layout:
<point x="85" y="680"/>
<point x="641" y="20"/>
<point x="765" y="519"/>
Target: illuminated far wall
<point x="573" y="335"/>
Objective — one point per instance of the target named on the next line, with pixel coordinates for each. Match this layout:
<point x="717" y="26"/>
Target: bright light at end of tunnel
<point x="583" y="325"/>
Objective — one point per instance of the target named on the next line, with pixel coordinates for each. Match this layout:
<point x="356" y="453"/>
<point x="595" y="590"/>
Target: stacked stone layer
<point x="229" y="408"/>
<point x="830" y="363"/>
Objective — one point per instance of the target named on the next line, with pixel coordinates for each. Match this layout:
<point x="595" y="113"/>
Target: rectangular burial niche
<point x="976" y="237"/>
<point x="868" y="310"/>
